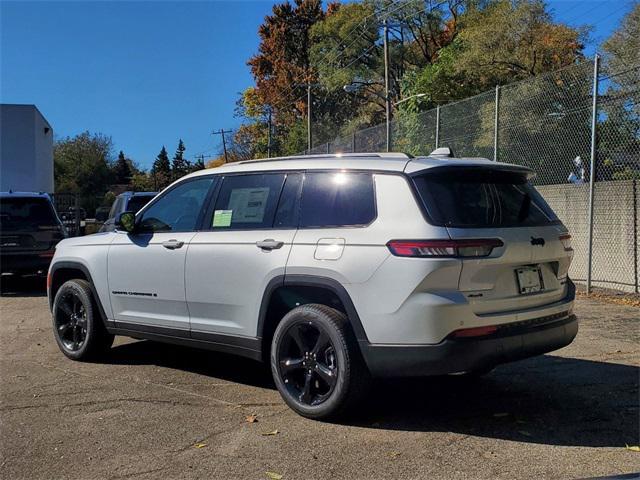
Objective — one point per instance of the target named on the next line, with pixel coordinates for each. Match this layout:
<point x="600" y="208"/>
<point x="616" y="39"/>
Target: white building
<point x="26" y="150"/>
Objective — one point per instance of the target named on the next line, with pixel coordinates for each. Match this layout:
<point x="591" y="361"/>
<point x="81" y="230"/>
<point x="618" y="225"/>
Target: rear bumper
<point x="22" y="263"/>
<point x="464" y="355"/>
<point x="512" y="341"/>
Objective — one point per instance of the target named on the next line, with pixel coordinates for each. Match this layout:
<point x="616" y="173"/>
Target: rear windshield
<point x="137" y="202"/>
<point x="482" y="198"/>
<point x="26" y="213"/>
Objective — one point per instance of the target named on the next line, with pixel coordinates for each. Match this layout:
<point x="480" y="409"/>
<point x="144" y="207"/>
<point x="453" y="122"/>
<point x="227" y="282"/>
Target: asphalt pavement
<point x="159" y="411"/>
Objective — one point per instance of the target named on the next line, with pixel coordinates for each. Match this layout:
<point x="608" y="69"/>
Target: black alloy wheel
<point x="70" y="319"/>
<point x="316" y="362"/>
<point x="308" y="363"/>
<point x="78" y="327"/>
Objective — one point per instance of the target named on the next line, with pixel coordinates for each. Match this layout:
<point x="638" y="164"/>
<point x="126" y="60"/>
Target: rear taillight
<point x="566" y="242"/>
<point x="467" y="248"/>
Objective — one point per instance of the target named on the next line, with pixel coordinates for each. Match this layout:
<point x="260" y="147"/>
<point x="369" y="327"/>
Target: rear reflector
<point x="48" y="254"/>
<point x="475" y="332"/>
<point x="467" y="248"/>
<point x="566" y="241"/>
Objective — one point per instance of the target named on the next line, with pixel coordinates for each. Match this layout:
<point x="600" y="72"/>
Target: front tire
<point x="77" y="326"/>
<point x="316" y="364"/>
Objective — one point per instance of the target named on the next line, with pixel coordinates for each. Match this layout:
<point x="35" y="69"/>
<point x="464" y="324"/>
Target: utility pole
<point x="269" y="133"/>
<point x="309" y="116"/>
<point x="224" y="143"/>
<point x="386" y="83"/>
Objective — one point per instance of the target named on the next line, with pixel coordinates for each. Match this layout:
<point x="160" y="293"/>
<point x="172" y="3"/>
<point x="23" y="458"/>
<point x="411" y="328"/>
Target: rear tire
<point x="316" y="364"/>
<point x="77" y="325"/>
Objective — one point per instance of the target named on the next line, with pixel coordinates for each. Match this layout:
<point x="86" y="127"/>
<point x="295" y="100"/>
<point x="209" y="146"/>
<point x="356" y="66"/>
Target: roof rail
<point x="327" y="155"/>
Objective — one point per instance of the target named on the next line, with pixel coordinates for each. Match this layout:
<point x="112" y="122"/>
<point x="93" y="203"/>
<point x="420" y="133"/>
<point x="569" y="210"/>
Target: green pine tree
<point x="161" y="170"/>
<point x="181" y="166"/>
<point x="122" y="170"/>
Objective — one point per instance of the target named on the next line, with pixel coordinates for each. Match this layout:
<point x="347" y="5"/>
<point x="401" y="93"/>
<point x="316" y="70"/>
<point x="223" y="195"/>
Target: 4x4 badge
<point x="537" y="241"/>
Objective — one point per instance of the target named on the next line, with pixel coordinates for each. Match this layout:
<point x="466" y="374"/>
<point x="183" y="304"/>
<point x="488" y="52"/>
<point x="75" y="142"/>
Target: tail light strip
<point x="466" y="248"/>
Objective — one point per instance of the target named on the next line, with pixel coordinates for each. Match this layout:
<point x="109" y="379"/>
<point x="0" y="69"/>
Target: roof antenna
<point x="442" y="152"/>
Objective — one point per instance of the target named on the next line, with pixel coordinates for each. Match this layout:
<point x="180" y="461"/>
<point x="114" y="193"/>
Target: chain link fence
<point x="547" y="123"/>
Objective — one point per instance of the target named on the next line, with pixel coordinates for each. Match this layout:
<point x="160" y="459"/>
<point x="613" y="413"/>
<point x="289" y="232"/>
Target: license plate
<point x="529" y="279"/>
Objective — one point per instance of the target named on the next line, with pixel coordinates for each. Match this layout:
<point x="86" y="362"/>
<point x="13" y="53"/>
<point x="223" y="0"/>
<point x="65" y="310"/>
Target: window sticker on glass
<point x="222" y="218"/>
<point x="248" y="204"/>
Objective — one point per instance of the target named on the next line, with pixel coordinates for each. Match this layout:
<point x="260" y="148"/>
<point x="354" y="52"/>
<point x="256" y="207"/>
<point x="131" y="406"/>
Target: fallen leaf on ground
<point x="273" y="476"/>
<point x="395" y="454"/>
<point x="253" y="418"/>
<point x="200" y="445"/>
<point x="274" y="432"/>
<point x="633" y="448"/>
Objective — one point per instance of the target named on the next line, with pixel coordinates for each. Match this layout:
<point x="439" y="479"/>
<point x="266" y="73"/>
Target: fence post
<point x="635" y="234"/>
<point x="592" y="170"/>
<point x="328" y="148"/>
<point x="77" y="214"/>
<point x="353" y="143"/>
<point x="437" y="125"/>
<point x="495" y="125"/>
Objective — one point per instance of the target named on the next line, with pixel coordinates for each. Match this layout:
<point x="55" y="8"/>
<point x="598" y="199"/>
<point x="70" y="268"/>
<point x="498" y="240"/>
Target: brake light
<point x="565" y="239"/>
<point x="466" y="248"/>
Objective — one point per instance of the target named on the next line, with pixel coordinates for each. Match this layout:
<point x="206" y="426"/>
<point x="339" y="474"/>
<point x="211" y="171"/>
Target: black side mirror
<point x="126" y="221"/>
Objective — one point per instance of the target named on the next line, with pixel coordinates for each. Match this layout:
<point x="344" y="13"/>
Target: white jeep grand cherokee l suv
<point x="332" y="268"/>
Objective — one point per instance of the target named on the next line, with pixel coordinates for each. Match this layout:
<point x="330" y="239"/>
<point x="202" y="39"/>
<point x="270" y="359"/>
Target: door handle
<point x="269" y="244"/>
<point x="172" y="244"/>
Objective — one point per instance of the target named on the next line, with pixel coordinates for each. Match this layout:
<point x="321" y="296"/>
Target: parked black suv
<point x="29" y="232"/>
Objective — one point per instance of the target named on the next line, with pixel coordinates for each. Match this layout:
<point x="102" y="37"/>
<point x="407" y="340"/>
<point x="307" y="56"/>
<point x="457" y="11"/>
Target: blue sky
<point x="148" y="73"/>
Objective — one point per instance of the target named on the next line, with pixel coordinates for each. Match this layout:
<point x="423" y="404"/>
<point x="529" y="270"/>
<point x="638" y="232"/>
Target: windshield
<point x="138" y="201"/>
<point x="484" y="197"/>
<point x="21" y="213"/>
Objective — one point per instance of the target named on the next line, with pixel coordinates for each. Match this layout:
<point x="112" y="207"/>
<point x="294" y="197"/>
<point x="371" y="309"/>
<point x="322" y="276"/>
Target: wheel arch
<point x="61" y="272"/>
<point x="302" y="289"/>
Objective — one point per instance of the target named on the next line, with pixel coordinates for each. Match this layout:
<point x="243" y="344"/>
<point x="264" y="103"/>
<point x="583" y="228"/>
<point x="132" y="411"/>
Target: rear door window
<point x="337" y="199"/>
<point x="247" y="201"/>
<point x="482" y="198"/>
<point x="26" y="213"/>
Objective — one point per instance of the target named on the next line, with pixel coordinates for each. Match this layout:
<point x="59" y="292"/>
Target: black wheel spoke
<point x="76" y="337"/>
<point x="321" y="342"/>
<point x="305" y="395"/>
<point x="327" y="374"/>
<point x="63" y="329"/>
<point x="66" y="309"/>
<point x="290" y="365"/>
<point x="296" y="334"/>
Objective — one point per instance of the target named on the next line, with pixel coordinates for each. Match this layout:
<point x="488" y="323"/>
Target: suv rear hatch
<point x="28" y="224"/>
<point x="484" y="202"/>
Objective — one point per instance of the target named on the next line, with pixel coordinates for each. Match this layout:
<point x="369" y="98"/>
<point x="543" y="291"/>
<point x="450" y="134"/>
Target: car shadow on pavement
<point x="202" y="362"/>
<point x="28" y="286"/>
<point x="547" y="400"/>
